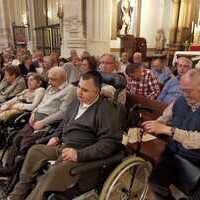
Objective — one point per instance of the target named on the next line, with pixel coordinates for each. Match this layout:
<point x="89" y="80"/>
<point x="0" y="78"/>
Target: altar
<point x="195" y="47"/>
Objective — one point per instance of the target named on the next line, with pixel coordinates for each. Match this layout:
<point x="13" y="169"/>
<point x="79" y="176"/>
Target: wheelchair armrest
<point x="22" y="118"/>
<point x="43" y="140"/>
<point x="50" y="131"/>
<point x="87" y="166"/>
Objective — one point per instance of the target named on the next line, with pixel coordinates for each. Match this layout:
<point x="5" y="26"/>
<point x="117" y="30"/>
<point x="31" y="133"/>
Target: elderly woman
<point x="88" y="64"/>
<point x="12" y="84"/>
<point x="26" y="100"/>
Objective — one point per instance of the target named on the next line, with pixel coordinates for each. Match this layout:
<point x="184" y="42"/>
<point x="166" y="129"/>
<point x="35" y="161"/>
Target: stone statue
<point x="160" y="41"/>
<point x="126" y="11"/>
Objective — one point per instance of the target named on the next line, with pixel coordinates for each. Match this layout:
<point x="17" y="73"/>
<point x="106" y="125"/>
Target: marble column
<point x="5" y="34"/>
<point x="99" y="26"/>
<point x="174" y="24"/>
<point x="186" y="17"/>
<point x="73" y="27"/>
<point x="31" y="43"/>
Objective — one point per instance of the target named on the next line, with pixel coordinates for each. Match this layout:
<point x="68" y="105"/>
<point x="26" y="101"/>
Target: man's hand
<point x="38" y="125"/>
<point x="156" y="127"/>
<point x="69" y="154"/>
<point x="32" y="119"/>
<point x="53" y="141"/>
<point x="15" y="106"/>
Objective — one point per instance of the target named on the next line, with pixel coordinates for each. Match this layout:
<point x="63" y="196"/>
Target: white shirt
<point x="83" y="107"/>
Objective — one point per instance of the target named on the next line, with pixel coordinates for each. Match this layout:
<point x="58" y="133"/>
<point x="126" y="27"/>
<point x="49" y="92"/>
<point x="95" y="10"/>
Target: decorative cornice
<point x="73" y="24"/>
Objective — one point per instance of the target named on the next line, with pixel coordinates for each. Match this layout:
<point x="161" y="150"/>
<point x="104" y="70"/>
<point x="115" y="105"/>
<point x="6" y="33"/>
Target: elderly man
<point x="46" y="66"/>
<point x="180" y="121"/>
<point x="172" y="88"/>
<point x="124" y="62"/>
<point x="137" y="57"/>
<point x="162" y="72"/>
<point x="91" y="130"/>
<point x="73" y="69"/>
<point x="37" y="58"/>
<point x="51" y="109"/>
<point x="108" y="65"/>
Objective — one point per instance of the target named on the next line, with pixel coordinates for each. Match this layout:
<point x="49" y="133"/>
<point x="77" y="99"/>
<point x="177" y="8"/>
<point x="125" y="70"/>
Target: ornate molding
<point x="73" y="24"/>
<point x="176" y="1"/>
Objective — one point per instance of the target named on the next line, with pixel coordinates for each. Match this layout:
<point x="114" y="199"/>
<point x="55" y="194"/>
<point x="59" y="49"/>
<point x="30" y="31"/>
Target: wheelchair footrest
<point x="91" y="195"/>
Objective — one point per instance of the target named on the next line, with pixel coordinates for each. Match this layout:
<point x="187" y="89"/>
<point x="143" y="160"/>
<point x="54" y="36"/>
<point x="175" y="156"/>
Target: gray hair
<point x="186" y="60"/>
<point x="194" y="76"/>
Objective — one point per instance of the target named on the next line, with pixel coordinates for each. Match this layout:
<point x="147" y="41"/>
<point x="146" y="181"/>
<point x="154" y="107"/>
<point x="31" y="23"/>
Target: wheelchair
<point x="10" y="127"/>
<point x="7" y="184"/>
<point x="98" y="171"/>
<point x="129" y="180"/>
<point x="132" y="169"/>
<point x="8" y="131"/>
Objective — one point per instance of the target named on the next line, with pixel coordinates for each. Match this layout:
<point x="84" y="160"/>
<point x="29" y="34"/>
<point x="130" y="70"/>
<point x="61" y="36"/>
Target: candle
<point x="192" y="28"/>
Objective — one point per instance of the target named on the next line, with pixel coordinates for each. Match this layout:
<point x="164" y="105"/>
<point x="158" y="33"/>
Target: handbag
<point x="187" y="174"/>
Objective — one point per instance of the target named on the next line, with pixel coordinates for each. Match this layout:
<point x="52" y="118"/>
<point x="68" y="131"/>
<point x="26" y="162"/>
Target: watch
<point x="172" y="131"/>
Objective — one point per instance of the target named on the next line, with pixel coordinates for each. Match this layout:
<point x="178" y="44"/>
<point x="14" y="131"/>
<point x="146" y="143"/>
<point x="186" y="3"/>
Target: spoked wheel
<point x="129" y="181"/>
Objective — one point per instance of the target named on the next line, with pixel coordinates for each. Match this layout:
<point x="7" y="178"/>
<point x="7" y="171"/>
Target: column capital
<point x="176" y="1"/>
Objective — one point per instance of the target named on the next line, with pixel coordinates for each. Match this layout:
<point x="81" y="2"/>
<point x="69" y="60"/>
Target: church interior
<point x="99" y="99"/>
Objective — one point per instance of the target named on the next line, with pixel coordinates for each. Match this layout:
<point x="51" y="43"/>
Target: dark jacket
<point x="97" y="133"/>
<point x="24" y="71"/>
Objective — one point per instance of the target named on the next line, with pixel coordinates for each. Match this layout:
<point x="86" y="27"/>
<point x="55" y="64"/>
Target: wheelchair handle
<point x="139" y="107"/>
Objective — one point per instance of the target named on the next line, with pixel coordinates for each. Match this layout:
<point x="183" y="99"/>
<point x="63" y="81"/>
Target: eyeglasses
<point x="182" y="65"/>
<point x="107" y="62"/>
<point x="52" y="79"/>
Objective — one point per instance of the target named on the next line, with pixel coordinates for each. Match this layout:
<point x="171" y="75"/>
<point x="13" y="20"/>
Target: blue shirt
<point x="171" y="90"/>
<point x="164" y="75"/>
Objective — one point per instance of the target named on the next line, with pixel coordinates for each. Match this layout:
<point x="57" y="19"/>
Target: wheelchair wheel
<point x="129" y="181"/>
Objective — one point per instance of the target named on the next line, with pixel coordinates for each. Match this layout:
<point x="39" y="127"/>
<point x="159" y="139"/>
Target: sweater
<point x="184" y="118"/>
<point x="97" y="133"/>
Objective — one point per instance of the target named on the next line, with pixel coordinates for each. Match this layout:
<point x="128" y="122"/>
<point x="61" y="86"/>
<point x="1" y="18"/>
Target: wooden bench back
<point x="150" y="150"/>
<point x="156" y="106"/>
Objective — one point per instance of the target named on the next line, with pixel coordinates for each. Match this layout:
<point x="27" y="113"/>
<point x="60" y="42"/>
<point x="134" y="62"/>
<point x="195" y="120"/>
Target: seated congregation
<point x="80" y="97"/>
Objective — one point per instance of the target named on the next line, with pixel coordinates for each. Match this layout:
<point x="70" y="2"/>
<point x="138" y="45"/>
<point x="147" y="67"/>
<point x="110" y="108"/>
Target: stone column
<point x="174" y="24"/>
<point x="31" y="43"/>
<point x="73" y="34"/>
<point x="99" y="26"/>
<point x="4" y="32"/>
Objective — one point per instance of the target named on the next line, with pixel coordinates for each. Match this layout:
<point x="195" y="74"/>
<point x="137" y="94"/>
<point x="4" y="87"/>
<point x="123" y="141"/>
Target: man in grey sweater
<point x="51" y="109"/>
<point x="91" y="130"/>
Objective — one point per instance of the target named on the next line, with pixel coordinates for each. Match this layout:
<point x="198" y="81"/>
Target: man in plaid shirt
<point x="141" y="81"/>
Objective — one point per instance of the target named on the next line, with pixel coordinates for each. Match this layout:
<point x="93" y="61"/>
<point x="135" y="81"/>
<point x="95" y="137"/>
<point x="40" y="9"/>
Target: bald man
<point x="57" y="97"/>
